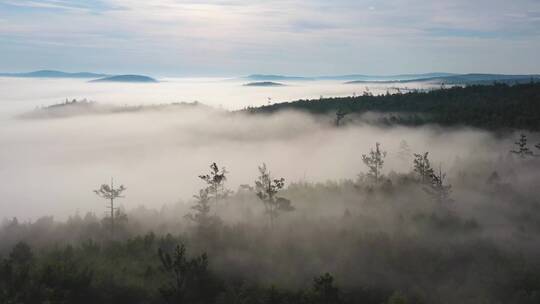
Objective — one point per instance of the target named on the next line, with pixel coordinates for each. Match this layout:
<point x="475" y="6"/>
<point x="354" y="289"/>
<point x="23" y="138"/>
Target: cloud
<point x="266" y="35"/>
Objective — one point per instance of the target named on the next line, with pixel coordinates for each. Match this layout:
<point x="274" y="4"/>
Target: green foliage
<point x="493" y="107"/>
<point x="189" y="279"/>
<point x="324" y="290"/>
<point x="398" y="298"/>
<point x="59" y="279"/>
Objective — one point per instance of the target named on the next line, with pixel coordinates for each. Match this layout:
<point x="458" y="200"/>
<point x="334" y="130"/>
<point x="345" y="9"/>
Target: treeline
<point x="150" y="269"/>
<point x="492" y="107"/>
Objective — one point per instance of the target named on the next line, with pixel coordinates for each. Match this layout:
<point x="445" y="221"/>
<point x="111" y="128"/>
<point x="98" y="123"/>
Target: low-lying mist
<point x="474" y="241"/>
<point x="51" y="166"/>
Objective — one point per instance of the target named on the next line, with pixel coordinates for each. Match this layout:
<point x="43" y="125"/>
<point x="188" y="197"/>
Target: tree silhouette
<point x="374" y="161"/>
<point x="201" y="214"/>
<point x="266" y="189"/>
<point x="216" y="183"/>
<point x="422" y="167"/>
<point x="15" y="275"/>
<point x="340" y="115"/>
<point x="521" y="147"/>
<point x="438" y="190"/>
<point x="186" y="276"/>
<point x="324" y="290"/>
<point x="110" y="193"/>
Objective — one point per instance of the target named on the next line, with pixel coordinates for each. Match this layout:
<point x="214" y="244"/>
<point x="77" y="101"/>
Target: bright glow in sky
<point x="307" y="37"/>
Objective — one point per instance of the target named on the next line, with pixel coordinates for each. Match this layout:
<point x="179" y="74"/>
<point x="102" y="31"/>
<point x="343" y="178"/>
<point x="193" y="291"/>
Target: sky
<point x="294" y="37"/>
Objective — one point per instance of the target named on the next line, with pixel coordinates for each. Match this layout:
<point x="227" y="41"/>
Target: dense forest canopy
<point x="494" y="107"/>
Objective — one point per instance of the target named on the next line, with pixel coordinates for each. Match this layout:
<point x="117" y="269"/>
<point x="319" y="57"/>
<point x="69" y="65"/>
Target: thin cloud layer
<point x="231" y="37"/>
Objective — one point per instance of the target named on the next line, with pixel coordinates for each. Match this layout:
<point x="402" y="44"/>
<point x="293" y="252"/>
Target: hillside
<point x="84" y="107"/>
<point x="127" y="78"/>
<point x="493" y="107"/>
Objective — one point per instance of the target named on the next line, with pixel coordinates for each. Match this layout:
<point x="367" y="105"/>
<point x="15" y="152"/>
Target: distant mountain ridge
<point x="94" y="77"/>
<point x="440" y="78"/>
<point x="351" y="77"/>
<point x="465" y="79"/>
<point x="54" y="74"/>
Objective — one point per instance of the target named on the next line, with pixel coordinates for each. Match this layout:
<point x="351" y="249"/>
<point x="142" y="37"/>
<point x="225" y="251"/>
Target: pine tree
<point x="109" y="193"/>
<point x="201" y="214"/>
<point x="185" y="275"/>
<point x="521" y="147"/>
<point x="375" y="161"/>
<point x="266" y="189"/>
<point x="325" y="291"/>
<point x="422" y="167"/>
<point x="216" y="190"/>
<point x="438" y="190"/>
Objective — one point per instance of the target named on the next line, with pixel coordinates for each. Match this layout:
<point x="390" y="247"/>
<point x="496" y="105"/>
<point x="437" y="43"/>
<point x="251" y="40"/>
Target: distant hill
<point x="84" y="107"/>
<point x="127" y="78"/>
<point x="438" y="78"/>
<point x="264" y="84"/>
<point x="355" y="77"/>
<point x="359" y="77"/>
<point x="262" y="77"/>
<point x="464" y="79"/>
<point x="54" y="74"/>
<point x="494" y="107"/>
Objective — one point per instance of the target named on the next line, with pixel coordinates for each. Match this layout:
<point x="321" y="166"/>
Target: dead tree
<point x="109" y="193"/>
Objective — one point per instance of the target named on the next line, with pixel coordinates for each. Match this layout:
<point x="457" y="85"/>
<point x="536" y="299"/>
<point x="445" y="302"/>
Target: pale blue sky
<point x="301" y="37"/>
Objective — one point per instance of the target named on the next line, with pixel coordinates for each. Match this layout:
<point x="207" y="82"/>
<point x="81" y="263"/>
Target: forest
<point x="497" y="106"/>
<point x="464" y="234"/>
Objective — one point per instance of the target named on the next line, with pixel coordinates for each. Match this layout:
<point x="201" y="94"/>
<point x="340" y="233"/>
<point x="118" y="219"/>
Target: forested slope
<point x="494" y="107"/>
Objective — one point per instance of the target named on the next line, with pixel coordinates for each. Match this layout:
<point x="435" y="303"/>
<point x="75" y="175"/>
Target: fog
<point x="388" y="235"/>
<point x="51" y="166"/>
<point x="21" y="94"/>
